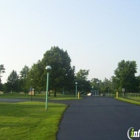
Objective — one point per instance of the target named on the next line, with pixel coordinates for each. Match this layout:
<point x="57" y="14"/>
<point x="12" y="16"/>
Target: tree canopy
<point x="61" y="75"/>
<point x="83" y="83"/>
<point x="12" y="84"/>
<point x="125" y="76"/>
<point x="2" y="70"/>
<point x="82" y="74"/>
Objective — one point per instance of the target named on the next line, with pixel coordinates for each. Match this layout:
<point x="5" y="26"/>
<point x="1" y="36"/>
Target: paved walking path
<point x="98" y="118"/>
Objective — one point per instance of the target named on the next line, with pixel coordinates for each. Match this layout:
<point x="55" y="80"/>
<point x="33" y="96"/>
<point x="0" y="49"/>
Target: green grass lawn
<point x="64" y="97"/>
<point x="134" y="97"/>
<point x="129" y="100"/>
<point x="40" y="96"/>
<point x="30" y="121"/>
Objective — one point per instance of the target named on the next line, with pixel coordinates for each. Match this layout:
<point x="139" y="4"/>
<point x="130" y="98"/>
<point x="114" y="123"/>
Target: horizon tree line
<point x="63" y="76"/>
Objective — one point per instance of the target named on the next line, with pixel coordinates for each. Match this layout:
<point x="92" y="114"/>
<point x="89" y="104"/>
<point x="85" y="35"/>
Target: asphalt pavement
<point x="98" y="118"/>
<point x="95" y="118"/>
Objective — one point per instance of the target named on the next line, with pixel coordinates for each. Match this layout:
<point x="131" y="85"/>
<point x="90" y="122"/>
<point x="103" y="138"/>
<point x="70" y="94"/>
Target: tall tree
<point x="23" y="79"/>
<point x="96" y="83"/>
<point x="2" y="70"/>
<point x="24" y="72"/>
<point x="1" y="86"/>
<point x="107" y="85"/>
<point x="62" y="74"/>
<point x="138" y="81"/>
<point x="82" y="74"/>
<point x="35" y="77"/>
<point x="125" y="76"/>
<point x="12" y="82"/>
<point x="83" y="83"/>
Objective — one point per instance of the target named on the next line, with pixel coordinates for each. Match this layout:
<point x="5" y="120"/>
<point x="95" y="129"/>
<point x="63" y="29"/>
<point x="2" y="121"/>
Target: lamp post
<point x="48" y="68"/>
<point x="76" y="88"/>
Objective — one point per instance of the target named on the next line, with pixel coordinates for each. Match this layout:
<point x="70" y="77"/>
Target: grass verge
<point x="40" y="96"/>
<point x="30" y="121"/>
<point x="64" y="97"/>
<point x="128" y="100"/>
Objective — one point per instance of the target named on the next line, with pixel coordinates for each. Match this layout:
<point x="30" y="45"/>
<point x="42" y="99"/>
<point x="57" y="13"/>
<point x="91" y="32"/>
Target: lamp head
<point x="48" y="68"/>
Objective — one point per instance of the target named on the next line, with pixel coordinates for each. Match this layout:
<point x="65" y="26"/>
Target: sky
<point x="97" y="34"/>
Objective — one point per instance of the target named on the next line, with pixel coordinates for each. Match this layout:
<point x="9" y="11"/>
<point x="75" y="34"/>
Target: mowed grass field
<point x="40" y="96"/>
<point x="129" y="100"/>
<point x="30" y="121"/>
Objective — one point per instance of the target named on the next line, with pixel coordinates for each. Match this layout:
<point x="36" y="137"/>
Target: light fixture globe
<point x="48" y="67"/>
<point x="76" y="83"/>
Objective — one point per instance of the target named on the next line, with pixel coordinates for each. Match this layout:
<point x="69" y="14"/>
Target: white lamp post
<point x="76" y="88"/>
<point x="48" y="68"/>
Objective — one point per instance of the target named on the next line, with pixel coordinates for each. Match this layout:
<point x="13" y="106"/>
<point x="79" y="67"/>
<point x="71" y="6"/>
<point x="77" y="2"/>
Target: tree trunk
<point x="55" y="92"/>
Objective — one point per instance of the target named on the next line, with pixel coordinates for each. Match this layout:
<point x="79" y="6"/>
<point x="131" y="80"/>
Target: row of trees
<point x="62" y="76"/>
<point x="124" y="79"/>
<point x="125" y="76"/>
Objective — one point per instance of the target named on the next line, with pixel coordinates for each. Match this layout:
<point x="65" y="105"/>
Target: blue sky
<point x="97" y="34"/>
